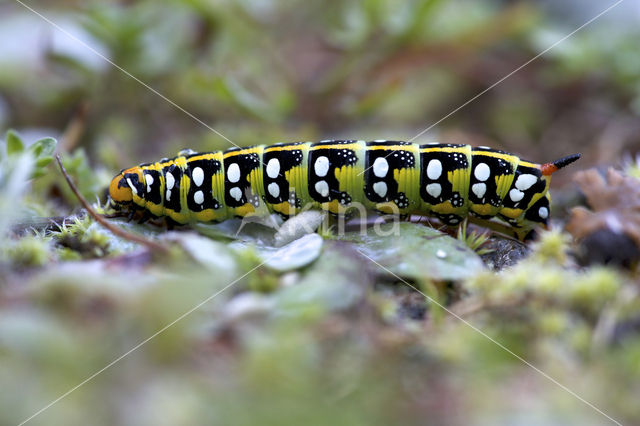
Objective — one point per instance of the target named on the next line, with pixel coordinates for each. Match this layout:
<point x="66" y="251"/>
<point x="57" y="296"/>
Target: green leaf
<point x="14" y="143"/>
<point x="44" y="147"/>
<point x="294" y="255"/>
<point x="416" y="251"/>
<point x="259" y="230"/>
<point x="210" y="254"/>
<point x="43" y="161"/>
<point x="334" y="282"/>
<point x="295" y="227"/>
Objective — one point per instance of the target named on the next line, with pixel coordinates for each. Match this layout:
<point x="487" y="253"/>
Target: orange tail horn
<point x="549" y="168"/>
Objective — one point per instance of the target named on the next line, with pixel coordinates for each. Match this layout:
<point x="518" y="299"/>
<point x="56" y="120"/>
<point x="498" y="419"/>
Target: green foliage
<point x="415" y="251"/>
<point x="90" y="182"/>
<point x="41" y="151"/>
<point x="29" y="251"/>
<point x="474" y="240"/>
<point x="546" y="279"/>
<point x="14" y="143"/>
<point x="552" y="247"/>
<point x="78" y="166"/>
<point x="82" y="238"/>
<point x="372" y="67"/>
<point x="16" y="168"/>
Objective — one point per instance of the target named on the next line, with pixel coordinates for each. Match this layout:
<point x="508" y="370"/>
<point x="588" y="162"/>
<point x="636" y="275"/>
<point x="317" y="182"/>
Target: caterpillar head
<point x="124" y="187"/>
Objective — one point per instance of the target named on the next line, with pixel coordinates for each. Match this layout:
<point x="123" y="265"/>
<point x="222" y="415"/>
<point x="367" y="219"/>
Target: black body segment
<point x="238" y="165"/>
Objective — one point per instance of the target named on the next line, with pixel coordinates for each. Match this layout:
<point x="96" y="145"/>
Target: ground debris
<point x="608" y="232"/>
<point x="504" y="252"/>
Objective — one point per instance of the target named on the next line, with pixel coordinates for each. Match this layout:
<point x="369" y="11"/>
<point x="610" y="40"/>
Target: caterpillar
<point x="446" y="181"/>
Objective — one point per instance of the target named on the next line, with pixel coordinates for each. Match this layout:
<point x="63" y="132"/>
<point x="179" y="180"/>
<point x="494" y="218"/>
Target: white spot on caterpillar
<point x="274" y="189"/>
<point x="434" y="189"/>
<point x="322" y="188"/>
<point x="132" y="186"/>
<point x="273" y="169"/>
<point x="321" y="166"/>
<point x="198" y="197"/>
<point x="434" y="169"/>
<point x="543" y="212"/>
<point x="236" y="193"/>
<point x="482" y="172"/>
<point x="525" y="181"/>
<point x="171" y="181"/>
<point x="380" y="167"/>
<point x="149" y="179"/>
<point x="197" y="175"/>
<point x="516" y="195"/>
<point x="479" y="189"/>
<point x="380" y="188"/>
<point x="233" y="172"/>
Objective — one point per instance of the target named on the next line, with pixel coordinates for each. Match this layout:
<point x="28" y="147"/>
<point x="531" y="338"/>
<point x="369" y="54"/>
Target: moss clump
<point x="545" y="276"/>
<point x="552" y="246"/>
<point x="29" y="251"/>
<point x="83" y="238"/>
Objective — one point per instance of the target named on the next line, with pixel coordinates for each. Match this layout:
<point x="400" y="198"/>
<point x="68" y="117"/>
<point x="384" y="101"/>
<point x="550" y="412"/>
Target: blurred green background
<point x="261" y="71"/>
<point x="266" y="71"/>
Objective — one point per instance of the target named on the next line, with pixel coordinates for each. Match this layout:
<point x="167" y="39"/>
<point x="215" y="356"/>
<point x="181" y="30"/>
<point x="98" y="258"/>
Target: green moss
<point x="474" y="240"/>
<point x="29" y="251"/>
<point x="581" y="338"/>
<point x="83" y="237"/>
<point x="553" y="323"/>
<point x="552" y="246"/>
<point x="263" y="281"/>
<point x="551" y="281"/>
<point x="595" y="288"/>
<point x="66" y="254"/>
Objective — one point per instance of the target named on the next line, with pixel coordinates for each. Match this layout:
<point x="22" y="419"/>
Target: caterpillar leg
<point x="113" y="215"/>
<point x="170" y="223"/>
<point x="146" y="216"/>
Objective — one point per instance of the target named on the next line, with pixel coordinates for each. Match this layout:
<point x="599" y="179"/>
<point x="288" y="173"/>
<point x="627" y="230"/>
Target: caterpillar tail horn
<point x="549" y="168"/>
